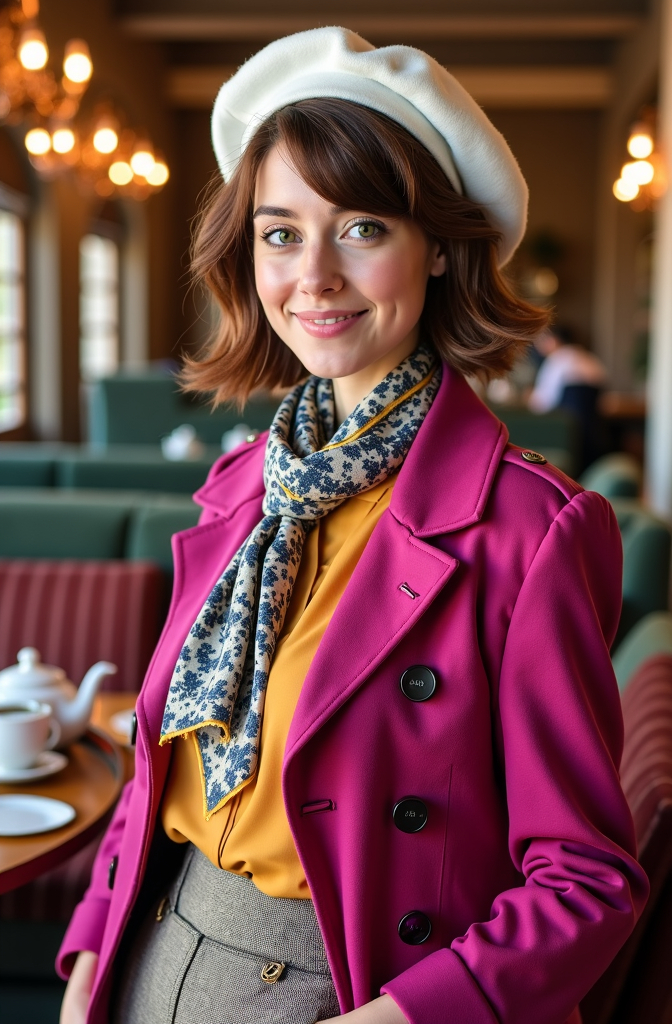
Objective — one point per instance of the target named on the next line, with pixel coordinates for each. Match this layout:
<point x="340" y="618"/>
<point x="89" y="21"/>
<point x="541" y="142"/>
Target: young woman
<point x="381" y="728"/>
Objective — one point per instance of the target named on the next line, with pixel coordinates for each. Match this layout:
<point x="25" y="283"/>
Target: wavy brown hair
<point x="361" y="160"/>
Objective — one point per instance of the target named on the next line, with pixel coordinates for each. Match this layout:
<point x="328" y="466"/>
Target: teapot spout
<point x="78" y="711"/>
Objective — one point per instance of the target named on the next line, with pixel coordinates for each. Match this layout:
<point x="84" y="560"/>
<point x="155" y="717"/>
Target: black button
<point x="410" y="814"/>
<point x="415" y="928"/>
<point x="111" y="872"/>
<point x="418" y="682"/>
<point x="134" y="729"/>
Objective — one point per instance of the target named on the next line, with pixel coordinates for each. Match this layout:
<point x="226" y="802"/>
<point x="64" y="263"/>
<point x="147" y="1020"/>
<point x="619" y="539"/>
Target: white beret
<point x="406" y="84"/>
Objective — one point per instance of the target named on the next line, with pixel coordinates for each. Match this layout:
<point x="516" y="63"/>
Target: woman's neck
<point x="351" y="390"/>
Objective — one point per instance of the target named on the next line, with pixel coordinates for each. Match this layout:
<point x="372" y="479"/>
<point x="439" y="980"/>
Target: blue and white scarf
<point x="219" y="683"/>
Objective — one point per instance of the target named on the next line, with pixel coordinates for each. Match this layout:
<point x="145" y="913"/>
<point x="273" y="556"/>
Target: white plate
<point x="47" y="763"/>
<point x="122" y="723"/>
<point x="26" y="815"/>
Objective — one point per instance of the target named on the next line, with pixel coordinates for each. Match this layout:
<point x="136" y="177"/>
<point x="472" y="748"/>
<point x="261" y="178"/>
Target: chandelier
<point x="108" y="156"/>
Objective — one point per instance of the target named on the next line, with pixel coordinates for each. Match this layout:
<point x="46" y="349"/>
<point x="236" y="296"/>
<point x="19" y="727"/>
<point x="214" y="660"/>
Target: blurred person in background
<point x="572" y="378"/>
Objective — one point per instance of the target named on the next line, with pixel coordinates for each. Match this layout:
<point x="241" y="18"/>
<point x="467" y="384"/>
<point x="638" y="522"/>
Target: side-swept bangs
<point x="361" y="160"/>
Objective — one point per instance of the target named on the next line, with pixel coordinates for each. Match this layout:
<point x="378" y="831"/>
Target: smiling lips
<point x="326" y="323"/>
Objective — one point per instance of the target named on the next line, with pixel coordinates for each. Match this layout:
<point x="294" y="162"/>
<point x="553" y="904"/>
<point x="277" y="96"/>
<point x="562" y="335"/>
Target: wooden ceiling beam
<point x="503" y="87"/>
<point x="393" y="27"/>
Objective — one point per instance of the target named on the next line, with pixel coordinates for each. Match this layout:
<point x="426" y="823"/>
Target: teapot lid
<point x="30" y="671"/>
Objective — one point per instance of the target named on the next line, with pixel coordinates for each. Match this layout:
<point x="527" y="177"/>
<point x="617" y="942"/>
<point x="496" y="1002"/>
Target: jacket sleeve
<point x="570" y="831"/>
<point x="87" y="924"/>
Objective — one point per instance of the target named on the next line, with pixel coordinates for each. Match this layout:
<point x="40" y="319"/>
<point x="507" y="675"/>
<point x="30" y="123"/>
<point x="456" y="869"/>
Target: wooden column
<point x="659" y="386"/>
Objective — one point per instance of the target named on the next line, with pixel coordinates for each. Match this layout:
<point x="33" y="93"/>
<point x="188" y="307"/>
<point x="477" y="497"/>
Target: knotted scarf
<point x="219" y="683"/>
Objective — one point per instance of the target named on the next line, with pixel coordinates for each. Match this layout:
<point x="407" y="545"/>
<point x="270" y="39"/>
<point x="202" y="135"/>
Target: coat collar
<point x="460" y="443"/>
<point x="460" y="440"/>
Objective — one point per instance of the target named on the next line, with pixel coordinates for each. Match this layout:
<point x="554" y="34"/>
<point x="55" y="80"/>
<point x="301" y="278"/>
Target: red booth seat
<point x="78" y="612"/>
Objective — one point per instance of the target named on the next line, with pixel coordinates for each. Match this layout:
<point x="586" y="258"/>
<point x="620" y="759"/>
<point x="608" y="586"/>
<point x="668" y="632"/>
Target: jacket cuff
<point x="85" y="931"/>
<point x="441" y="989"/>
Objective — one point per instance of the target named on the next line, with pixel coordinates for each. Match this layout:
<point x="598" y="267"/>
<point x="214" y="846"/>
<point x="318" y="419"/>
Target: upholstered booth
<point x="647" y="544"/>
<point x="144" y="406"/>
<point x="617" y="475"/>
<point x="555" y="434"/>
<point x="118" y="467"/>
<point x="637" y="987"/>
<point x="77" y="612"/>
<point x="84" y="576"/>
<point x="54" y="523"/>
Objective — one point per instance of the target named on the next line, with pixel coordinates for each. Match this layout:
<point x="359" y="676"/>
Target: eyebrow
<point x="280" y="211"/>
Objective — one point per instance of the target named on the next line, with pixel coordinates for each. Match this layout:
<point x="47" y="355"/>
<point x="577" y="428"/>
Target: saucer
<point x="48" y="763"/>
<point x="122" y="723"/>
<point x="26" y="815"/>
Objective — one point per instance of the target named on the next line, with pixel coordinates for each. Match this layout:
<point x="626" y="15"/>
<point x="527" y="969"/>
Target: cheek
<point x="272" y="282"/>
<point x="397" y="280"/>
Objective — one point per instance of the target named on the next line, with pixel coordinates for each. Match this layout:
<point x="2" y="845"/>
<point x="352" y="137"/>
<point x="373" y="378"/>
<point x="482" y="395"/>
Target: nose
<point x="319" y="271"/>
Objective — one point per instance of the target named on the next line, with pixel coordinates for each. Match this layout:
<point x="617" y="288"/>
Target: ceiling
<point x="510" y="53"/>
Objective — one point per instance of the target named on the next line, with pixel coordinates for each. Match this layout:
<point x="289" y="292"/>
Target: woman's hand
<point x="383" y="1010"/>
<point x="78" y="990"/>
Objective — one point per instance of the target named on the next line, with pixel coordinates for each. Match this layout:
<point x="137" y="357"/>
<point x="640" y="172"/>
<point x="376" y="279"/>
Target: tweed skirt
<point x="217" y="950"/>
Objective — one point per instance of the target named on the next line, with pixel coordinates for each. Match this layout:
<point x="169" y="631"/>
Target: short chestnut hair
<point x="361" y="160"/>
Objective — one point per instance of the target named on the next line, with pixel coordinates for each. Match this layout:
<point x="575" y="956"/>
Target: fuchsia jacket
<point x="526" y="867"/>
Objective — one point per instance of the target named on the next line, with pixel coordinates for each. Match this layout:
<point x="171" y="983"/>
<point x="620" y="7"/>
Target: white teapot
<point x="31" y="680"/>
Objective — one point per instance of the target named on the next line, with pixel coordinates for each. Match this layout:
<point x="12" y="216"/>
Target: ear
<point x="437" y="260"/>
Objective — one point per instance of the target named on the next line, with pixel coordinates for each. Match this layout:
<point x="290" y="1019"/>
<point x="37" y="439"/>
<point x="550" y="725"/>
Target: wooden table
<point x="91" y="783"/>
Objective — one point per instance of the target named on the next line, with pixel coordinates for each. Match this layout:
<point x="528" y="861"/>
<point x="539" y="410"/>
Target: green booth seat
<point x="650" y="637"/>
<point x="647" y="546"/>
<point x="142" y="407"/>
<point x="26" y="464"/>
<point x="152" y="526"/>
<point x="553" y="434"/>
<point x="57" y="524"/>
<point x="53" y="523"/>
<point x="617" y="475"/>
<point x="127" y="467"/>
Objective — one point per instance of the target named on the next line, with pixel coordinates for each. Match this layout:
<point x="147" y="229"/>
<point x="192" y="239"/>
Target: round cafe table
<point x="91" y="783"/>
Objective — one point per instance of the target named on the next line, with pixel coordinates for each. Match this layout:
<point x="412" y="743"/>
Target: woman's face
<point x="315" y="264"/>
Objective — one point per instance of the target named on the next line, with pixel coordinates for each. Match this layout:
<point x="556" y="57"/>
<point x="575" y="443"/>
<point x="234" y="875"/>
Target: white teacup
<point x="27" y="728"/>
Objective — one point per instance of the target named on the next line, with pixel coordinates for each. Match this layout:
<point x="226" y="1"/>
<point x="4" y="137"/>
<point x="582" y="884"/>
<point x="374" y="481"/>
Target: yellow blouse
<point x="250" y="835"/>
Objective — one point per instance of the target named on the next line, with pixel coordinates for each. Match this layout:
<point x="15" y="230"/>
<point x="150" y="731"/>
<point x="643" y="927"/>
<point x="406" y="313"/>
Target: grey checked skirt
<point x="217" y="950"/>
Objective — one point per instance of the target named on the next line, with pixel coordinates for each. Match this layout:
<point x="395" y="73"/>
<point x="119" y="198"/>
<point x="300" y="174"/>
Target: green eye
<point x="286" y="236"/>
<point x="366" y="230"/>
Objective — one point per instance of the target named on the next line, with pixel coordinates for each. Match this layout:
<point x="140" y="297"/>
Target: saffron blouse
<point x="250" y="835"/>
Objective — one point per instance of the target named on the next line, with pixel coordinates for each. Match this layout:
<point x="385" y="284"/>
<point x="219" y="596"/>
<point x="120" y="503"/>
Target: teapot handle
<point x="54" y="735"/>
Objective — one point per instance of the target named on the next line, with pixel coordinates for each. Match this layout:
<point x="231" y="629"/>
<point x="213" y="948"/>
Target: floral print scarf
<point x="219" y="683"/>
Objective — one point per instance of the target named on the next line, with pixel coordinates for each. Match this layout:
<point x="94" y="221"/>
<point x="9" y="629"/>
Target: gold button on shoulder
<point x="531" y="456"/>
<point x="271" y="972"/>
<point x="252" y="436"/>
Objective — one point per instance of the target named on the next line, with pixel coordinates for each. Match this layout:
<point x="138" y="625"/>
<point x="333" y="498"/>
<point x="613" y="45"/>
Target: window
<point x="98" y="306"/>
<point x="12" y="321"/>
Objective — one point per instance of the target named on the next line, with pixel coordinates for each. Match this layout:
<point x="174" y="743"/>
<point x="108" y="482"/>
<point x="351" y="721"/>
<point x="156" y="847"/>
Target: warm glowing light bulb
<point x="38" y="141"/>
<point x="63" y="140"/>
<point x="640" y="144"/>
<point x="639" y="171"/>
<point x="120" y="173"/>
<point x="77" y="64"/>
<point x="33" y="50"/>
<point x="158" y="175"/>
<point x="105" y="140"/>
<point x="625" y="190"/>
<point x="546" y="281"/>
<point x="142" y="162"/>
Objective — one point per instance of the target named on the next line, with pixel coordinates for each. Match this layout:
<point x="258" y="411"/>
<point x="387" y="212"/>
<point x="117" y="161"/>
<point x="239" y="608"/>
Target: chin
<point x="331" y="364"/>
